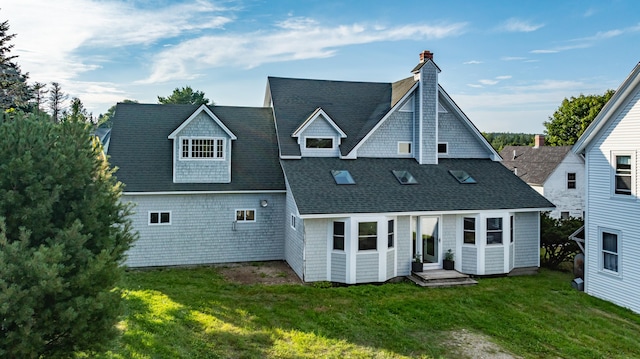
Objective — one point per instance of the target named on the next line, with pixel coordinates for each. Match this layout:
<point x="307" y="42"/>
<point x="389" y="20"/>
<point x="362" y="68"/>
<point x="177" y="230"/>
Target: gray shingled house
<point x="346" y="181"/>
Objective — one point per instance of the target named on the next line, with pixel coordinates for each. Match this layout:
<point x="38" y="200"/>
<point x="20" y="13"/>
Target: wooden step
<point x="441" y="278"/>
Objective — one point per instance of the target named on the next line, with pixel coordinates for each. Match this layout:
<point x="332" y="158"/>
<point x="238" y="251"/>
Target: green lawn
<point x="195" y="313"/>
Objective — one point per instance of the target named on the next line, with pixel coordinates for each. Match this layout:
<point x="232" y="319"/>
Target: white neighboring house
<point x="611" y="145"/>
<point x="554" y="171"/>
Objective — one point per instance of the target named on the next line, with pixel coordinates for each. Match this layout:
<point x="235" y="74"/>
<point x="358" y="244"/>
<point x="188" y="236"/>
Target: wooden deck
<point x="441" y="278"/>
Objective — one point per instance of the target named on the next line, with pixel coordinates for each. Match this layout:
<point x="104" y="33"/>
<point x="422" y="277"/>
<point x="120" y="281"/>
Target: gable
<point x="201" y="125"/>
<point x="355" y="107"/>
<point x="623" y="95"/>
<point x="142" y="151"/>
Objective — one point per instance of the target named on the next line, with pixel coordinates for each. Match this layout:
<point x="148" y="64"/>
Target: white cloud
<point x="517" y="25"/>
<point x="488" y="82"/>
<point x="472" y="62"/>
<point x="503" y="77"/>
<point x="294" y="39"/>
<point x="513" y="58"/>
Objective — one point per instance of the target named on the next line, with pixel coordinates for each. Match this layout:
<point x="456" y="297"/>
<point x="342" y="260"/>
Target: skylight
<point x="405" y="177"/>
<point x="342" y="177"/>
<point x="462" y="176"/>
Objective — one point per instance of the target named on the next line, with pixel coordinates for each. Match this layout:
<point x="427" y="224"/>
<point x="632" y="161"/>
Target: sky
<point x="507" y="64"/>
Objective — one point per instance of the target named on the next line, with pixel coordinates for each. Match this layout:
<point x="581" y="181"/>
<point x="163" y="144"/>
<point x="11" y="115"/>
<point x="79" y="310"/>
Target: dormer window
<point x="321" y="143"/>
<point x="202" y="148"/>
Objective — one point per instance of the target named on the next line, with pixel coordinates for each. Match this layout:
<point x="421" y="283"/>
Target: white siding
<point x="384" y="141"/>
<point x="494" y="260"/>
<point x="338" y="267"/>
<point x="320" y="128"/>
<point x="556" y="191"/>
<point x="367" y="264"/>
<point x="469" y="258"/>
<point x="608" y="211"/>
<point x="403" y="245"/>
<point x="461" y="141"/>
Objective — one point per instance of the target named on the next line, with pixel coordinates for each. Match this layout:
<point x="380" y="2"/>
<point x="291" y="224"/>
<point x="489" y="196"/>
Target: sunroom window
<point x="494" y="230"/>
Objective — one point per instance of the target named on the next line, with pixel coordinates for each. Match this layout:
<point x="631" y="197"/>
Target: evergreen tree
<point x="56" y="101"/>
<point x="185" y="95"/>
<point x="106" y="119"/>
<point x="14" y="91"/>
<point x="63" y="237"/>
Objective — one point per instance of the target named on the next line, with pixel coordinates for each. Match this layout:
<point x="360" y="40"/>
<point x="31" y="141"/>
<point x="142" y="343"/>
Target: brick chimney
<point x="426" y="54"/>
<point x="539" y="141"/>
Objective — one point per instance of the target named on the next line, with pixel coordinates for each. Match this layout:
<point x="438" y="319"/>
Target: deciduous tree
<point x="63" y="237"/>
<point x="573" y="117"/>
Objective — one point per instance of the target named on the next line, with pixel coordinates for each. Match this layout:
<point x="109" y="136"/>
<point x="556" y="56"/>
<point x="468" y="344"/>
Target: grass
<point x="195" y="313"/>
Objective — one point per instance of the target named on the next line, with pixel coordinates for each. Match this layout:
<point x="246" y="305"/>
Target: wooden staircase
<point x="441" y="278"/>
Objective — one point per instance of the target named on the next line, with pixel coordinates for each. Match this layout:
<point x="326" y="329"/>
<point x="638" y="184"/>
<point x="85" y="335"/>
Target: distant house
<point x="346" y="181"/>
<point x="611" y="146"/>
<point x="554" y="171"/>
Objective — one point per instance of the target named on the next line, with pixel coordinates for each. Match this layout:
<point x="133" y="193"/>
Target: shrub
<point x="556" y="246"/>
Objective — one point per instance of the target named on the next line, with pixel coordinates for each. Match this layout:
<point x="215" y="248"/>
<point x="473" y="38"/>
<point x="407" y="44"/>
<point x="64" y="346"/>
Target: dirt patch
<point x="476" y="346"/>
<point x="269" y="273"/>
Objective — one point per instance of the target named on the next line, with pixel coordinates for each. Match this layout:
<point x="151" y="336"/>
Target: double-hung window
<point x="623" y="175"/>
<point x="494" y="230"/>
<point x="469" y="230"/>
<point x="571" y="180"/>
<point x="338" y="236"/>
<point x="202" y="148"/>
<point x="610" y="251"/>
<point x="367" y="236"/>
<point x="390" y="234"/>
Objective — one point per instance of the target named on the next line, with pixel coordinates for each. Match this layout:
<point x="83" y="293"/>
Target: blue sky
<point x="507" y="64"/>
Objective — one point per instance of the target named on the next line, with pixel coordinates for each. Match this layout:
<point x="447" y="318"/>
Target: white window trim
<point x="486" y="231"/>
<point x="443" y="143"/>
<point x="474" y="245"/>
<point x="601" y="269"/>
<point x="410" y="148"/>
<point x="159" y="215"/>
<point x="575" y="180"/>
<point x="394" y="230"/>
<point x="333" y="143"/>
<point x="235" y="215"/>
<point x="357" y="234"/>
<point x="190" y="138"/>
<point x="344" y="236"/>
<point x="294" y="221"/>
<point x="632" y="155"/>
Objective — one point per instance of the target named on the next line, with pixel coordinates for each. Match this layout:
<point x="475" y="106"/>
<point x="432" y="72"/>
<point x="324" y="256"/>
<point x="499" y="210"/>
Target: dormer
<point x="202" y="149"/>
<point x="319" y="136"/>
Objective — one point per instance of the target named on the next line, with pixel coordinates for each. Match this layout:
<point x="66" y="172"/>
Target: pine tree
<point x="14" y="91"/>
<point x="63" y="236"/>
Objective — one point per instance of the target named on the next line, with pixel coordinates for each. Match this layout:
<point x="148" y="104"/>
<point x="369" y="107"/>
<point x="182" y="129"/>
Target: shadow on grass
<point x="191" y="313"/>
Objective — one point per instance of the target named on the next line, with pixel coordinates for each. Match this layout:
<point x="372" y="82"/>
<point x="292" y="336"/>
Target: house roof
<point x="534" y="164"/>
<point x="378" y="191"/>
<point x="617" y="101"/>
<point x="142" y="152"/>
<point x="355" y="107"/>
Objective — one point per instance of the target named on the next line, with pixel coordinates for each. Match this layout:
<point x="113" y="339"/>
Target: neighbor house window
<point x="571" y="180"/>
<point x="390" y="236"/>
<point x="293" y="221"/>
<point x="494" y="230"/>
<point x="404" y="148"/>
<point x="202" y="148"/>
<point x="338" y="236"/>
<point x="323" y="143"/>
<point x="610" y="251"/>
<point x="623" y="175"/>
<point x="158" y="217"/>
<point x="564" y="215"/>
<point x="443" y="148"/>
<point x="246" y="215"/>
<point x="367" y="235"/>
<point x="469" y="230"/>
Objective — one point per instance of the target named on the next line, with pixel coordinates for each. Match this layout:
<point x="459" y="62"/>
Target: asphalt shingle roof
<point x="143" y="154"/>
<point x="378" y="191"/>
<point x="356" y="107"/>
<point x="535" y="164"/>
